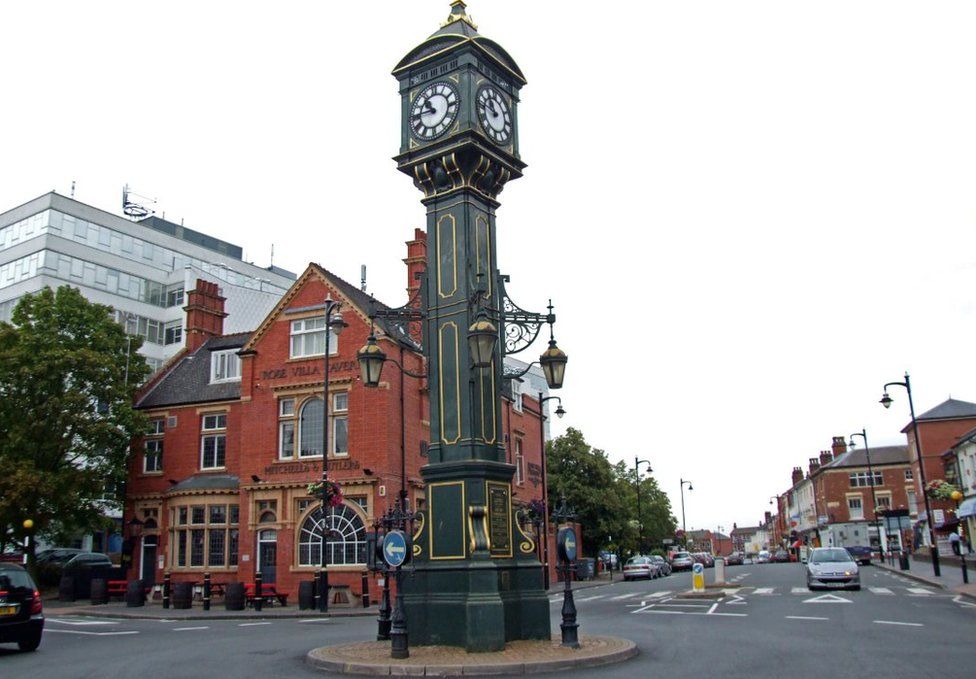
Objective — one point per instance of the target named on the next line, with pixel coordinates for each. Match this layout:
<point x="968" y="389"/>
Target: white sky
<point x="750" y="215"/>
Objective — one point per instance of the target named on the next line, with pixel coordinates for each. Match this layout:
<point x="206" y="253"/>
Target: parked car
<point x="681" y="561"/>
<point x="763" y="557"/>
<point x="832" y="567"/>
<point x="704" y="558"/>
<point x="664" y="568"/>
<point x="21" y="613"/>
<point x="781" y="556"/>
<point x="640" y="567"/>
<point x="60" y="555"/>
<point x="85" y="566"/>
<point x="734" y="559"/>
<point x="860" y="554"/>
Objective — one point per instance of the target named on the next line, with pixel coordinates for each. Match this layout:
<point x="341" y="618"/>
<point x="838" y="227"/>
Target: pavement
<point x="951" y="578"/>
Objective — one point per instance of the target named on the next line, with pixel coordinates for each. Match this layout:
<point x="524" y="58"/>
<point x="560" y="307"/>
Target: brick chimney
<point x="797" y="475"/>
<point x="814" y="465"/>
<point x="204" y="314"/>
<point x="416" y="262"/>
<point x="769" y="518"/>
<point x="826" y="457"/>
<point x="839" y="446"/>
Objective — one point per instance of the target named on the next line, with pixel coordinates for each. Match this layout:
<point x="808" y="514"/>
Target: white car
<point x="832" y="567"/>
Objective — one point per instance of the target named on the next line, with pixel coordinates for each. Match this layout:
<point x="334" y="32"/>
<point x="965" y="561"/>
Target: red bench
<point x="268" y="594"/>
<point x="119" y="587"/>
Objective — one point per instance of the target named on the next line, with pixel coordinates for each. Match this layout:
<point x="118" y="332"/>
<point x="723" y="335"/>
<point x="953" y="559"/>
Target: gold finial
<point x="458" y="13"/>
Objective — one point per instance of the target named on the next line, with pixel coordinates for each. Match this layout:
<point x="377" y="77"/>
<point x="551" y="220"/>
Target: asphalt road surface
<point x="768" y="624"/>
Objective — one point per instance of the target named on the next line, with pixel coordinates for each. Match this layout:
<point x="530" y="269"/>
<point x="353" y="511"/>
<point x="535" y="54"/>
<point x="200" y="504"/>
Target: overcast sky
<point x="750" y="215"/>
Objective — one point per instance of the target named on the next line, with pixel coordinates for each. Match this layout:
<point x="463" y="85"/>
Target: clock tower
<point x="477" y="582"/>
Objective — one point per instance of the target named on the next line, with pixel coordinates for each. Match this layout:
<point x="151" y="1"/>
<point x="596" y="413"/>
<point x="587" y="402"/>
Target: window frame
<point x="187" y="536"/>
<point x="213" y="427"/>
<point x="228" y="362"/>
<point x="298" y="329"/>
<point x="860" y="507"/>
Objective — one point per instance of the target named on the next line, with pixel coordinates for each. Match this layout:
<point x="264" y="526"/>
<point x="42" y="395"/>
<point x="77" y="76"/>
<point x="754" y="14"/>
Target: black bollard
<point x="258" y="592"/>
<point x="965" y="573"/>
<point x="206" y="591"/>
<point x="569" y="626"/>
<point x="166" y="589"/>
<point x="400" y="645"/>
<point x="383" y="621"/>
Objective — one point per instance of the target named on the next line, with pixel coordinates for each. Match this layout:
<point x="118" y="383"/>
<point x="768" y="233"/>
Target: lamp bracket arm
<point x="400" y="319"/>
<point x="521" y="327"/>
<point x="895" y="384"/>
<point x="419" y="376"/>
<point x="515" y="374"/>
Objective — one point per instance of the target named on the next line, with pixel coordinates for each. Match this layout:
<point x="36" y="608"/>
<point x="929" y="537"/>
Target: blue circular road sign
<point x="566" y="544"/>
<point x="697" y="569"/>
<point x="395" y="548"/>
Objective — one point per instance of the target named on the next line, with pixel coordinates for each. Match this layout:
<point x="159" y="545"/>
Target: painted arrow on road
<point x="827" y="599"/>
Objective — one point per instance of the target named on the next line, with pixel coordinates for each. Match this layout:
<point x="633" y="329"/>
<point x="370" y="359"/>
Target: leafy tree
<point x="67" y="377"/>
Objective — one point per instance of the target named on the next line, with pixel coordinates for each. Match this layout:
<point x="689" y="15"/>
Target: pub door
<point x="267" y="555"/>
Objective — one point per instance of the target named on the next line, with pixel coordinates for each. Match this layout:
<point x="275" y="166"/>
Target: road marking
<point x="799" y="590"/>
<point x="827" y="599"/>
<point x="764" y="590"/>
<point x="657" y="595"/>
<point x="253" y="624"/>
<point x="958" y="600"/>
<point x="91" y="634"/>
<point x="738" y="600"/>
<point x="727" y="615"/>
<point x="805" y="617"/>
<point x="892" y="622"/>
<point x="625" y="596"/>
<point x="919" y="590"/>
<point x="881" y="590"/>
<point x="188" y="629"/>
<point x="590" y="598"/>
<point x="314" y="620"/>
<point x="82" y="622"/>
<point x="712" y="609"/>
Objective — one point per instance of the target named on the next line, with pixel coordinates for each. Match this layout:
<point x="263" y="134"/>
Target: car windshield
<point x="830" y="556"/>
<point x="637" y="561"/>
<point x="682" y="555"/>
<point x="14" y="579"/>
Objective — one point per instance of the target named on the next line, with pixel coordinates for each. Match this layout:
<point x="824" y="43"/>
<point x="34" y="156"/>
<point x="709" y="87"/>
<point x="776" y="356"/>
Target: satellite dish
<point x="132" y="208"/>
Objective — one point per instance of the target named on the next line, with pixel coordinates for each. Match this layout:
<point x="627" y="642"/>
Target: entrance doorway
<point x="147" y="566"/>
<point x="267" y="555"/>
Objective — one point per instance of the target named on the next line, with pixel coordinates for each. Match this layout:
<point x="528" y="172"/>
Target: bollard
<point x="206" y="591"/>
<point x="365" y="590"/>
<point x="258" y="592"/>
<point x="166" y="589"/>
<point x="965" y="573"/>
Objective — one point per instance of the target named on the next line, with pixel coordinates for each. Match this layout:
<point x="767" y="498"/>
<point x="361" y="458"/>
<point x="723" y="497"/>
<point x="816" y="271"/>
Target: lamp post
<point x="640" y="524"/>
<point x="333" y="322"/>
<point x="957" y="498"/>
<point x="886" y="402"/>
<point x="874" y="499"/>
<point x="544" y="532"/>
<point x="683" y="483"/>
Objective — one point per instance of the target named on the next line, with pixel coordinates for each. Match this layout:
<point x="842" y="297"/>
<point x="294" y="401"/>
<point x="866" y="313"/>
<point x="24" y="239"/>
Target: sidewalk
<point x="951" y="578"/>
<point x="153" y="610"/>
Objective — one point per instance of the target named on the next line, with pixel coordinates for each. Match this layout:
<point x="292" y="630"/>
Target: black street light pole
<point x="544" y="536"/>
<point x="683" y="484"/>
<point x="640" y="524"/>
<point x="331" y="322"/>
<point x="886" y="402"/>
<point x="874" y="499"/>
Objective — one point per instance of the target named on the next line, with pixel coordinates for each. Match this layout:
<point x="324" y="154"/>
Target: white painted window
<point x="213" y="442"/>
<point x="519" y="463"/>
<point x="225" y="366"/>
<point x="517" y="395"/>
<point x="308" y="338"/>
<point x="855" y="508"/>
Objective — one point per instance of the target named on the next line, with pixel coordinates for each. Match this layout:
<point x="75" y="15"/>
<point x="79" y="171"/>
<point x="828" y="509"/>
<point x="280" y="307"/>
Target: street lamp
<point x="886" y="402"/>
<point x="867" y="452"/>
<point x="333" y="323"/>
<point x="683" y="483"/>
<point x="640" y="524"/>
<point x="544" y="537"/>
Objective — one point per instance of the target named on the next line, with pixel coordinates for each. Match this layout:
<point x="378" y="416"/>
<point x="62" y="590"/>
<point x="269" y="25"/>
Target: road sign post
<point x="698" y="578"/>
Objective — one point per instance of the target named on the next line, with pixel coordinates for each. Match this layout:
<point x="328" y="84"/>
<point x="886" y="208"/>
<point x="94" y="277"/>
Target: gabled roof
<point x="357" y="300"/>
<point x="949" y="409"/>
<point x="880" y="455"/>
<point x="188" y="380"/>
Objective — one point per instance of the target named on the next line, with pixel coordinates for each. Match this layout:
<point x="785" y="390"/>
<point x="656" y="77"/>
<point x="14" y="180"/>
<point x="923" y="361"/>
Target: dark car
<point x="85" y="566"/>
<point x="734" y="559"/>
<point x="664" y="568"/>
<point x="704" y="558"/>
<point x="21" y="616"/>
<point x="57" y="555"/>
<point x="781" y="556"/>
<point x="860" y="554"/>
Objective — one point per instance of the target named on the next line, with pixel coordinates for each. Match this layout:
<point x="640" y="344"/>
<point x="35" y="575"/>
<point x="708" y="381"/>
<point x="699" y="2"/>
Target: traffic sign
<point x="566" y="544"/>
<point x="698" y="577"/>
<point x="395" y="548"/>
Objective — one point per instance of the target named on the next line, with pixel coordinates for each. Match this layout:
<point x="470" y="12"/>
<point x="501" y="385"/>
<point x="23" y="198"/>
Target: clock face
<point x="496" y="119"/>
<point x="434" y="110"/>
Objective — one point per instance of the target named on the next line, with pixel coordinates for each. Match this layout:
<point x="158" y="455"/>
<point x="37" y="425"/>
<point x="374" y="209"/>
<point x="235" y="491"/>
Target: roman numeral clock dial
<point x="433" y="111"/>
<point x="496" y="120"/>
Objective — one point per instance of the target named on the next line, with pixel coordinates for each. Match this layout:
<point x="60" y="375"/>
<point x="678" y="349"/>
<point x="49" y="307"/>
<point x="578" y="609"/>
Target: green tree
<point x="585" y="477"/>
<point x="67" y="377"/>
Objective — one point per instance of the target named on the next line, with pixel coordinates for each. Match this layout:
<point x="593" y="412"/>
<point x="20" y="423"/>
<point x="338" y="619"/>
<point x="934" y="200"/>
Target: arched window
<point x="311" y="428"/>
<point x="347" y="539"/>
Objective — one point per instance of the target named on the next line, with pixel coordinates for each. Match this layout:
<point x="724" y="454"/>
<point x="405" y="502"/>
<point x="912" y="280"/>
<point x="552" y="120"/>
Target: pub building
<point x="220" y="482"/>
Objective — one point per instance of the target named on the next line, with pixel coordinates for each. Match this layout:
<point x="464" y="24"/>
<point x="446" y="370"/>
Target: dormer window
<point x="225" y="366"/>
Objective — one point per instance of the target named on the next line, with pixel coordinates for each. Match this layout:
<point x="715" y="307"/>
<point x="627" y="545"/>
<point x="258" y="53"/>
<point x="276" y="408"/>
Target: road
<point x="770" y="625"/>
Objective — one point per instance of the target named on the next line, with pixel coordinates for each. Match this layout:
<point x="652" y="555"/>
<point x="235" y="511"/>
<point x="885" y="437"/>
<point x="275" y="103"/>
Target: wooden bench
<point x="269" y="594"/>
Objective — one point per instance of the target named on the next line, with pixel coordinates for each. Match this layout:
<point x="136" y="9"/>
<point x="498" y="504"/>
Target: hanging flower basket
<point x="940" y="489"/>
<point x="329" y="492"/>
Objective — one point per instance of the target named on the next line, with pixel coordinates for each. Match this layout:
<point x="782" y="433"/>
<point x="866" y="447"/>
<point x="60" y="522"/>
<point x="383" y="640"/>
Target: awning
<point x="967" y="508"/>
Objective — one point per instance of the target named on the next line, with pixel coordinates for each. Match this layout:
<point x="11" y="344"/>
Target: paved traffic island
<point x="519" y="657"/>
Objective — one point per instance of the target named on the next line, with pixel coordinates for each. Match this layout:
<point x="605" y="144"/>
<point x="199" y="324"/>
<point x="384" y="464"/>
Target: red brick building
<point x="236" y="437"/>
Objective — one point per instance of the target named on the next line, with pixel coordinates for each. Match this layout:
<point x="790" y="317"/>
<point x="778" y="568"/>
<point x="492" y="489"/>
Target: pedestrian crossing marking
<point x="657" y="595"/>
<point x="590" y="598"/>
<point x="799" y="590"/>
<point x="764" y="590"/>
<point x="881" y="590"/>
<point x="828" y="599"/>
<point x="919" y="590"/>
<point x="625" y="596"/>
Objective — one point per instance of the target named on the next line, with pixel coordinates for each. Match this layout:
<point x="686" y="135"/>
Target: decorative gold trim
<point x="421" y="522"/>
<point x="457" y="377"/>
<point x="430" y="501"/>
<point x="478" y="220"/>
<point x="456" y="78"/>
<point x="508" y="521"/>
<point x="440" y="287"/>
<point x="494" y="412"/>
<point x="528" y="545"/>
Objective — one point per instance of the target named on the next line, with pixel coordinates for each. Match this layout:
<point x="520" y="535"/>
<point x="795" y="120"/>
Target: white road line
<point x="919" y="590"/>
<point x="764" y="590"/>
<point x="253" y="624"/>
<point x="91" y="634"/>
<point x="799" y="590"/>
<point x="958" y="600"/>
<point x="804" y="617"/>
<point x="188" y="629"/>
<point x="727" y="615"/>
<point x="881" y="590"/>
<point x="679" y="605"/>
<point x="590" y="598"/>
<point x="82" y="622"/>
<point x="712" y="609"/>
<point x="314" y="620"/>
<point x="624" y="596"/>
<point x="892" y="622"/>
<point x="658" y="595"/>
<point x="655" y="610"/>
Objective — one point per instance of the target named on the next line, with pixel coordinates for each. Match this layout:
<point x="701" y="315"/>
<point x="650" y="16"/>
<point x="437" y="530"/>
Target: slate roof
<point x="362" y="300"/>
<point x="949" y="409"/>
<point x="207" y="482"/>
<point x="189" y="380"/>
<point x="880" y="455"/>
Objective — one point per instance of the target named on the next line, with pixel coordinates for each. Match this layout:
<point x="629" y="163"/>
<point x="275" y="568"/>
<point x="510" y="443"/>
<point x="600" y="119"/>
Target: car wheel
<point x="30" y="644"/>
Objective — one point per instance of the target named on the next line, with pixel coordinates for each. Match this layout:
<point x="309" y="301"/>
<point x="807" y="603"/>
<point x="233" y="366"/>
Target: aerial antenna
<point x="362" y="277"/>
<point x="134" y="209"/>
<point x="72" y="188"/>
<point x="272" y="256"/>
